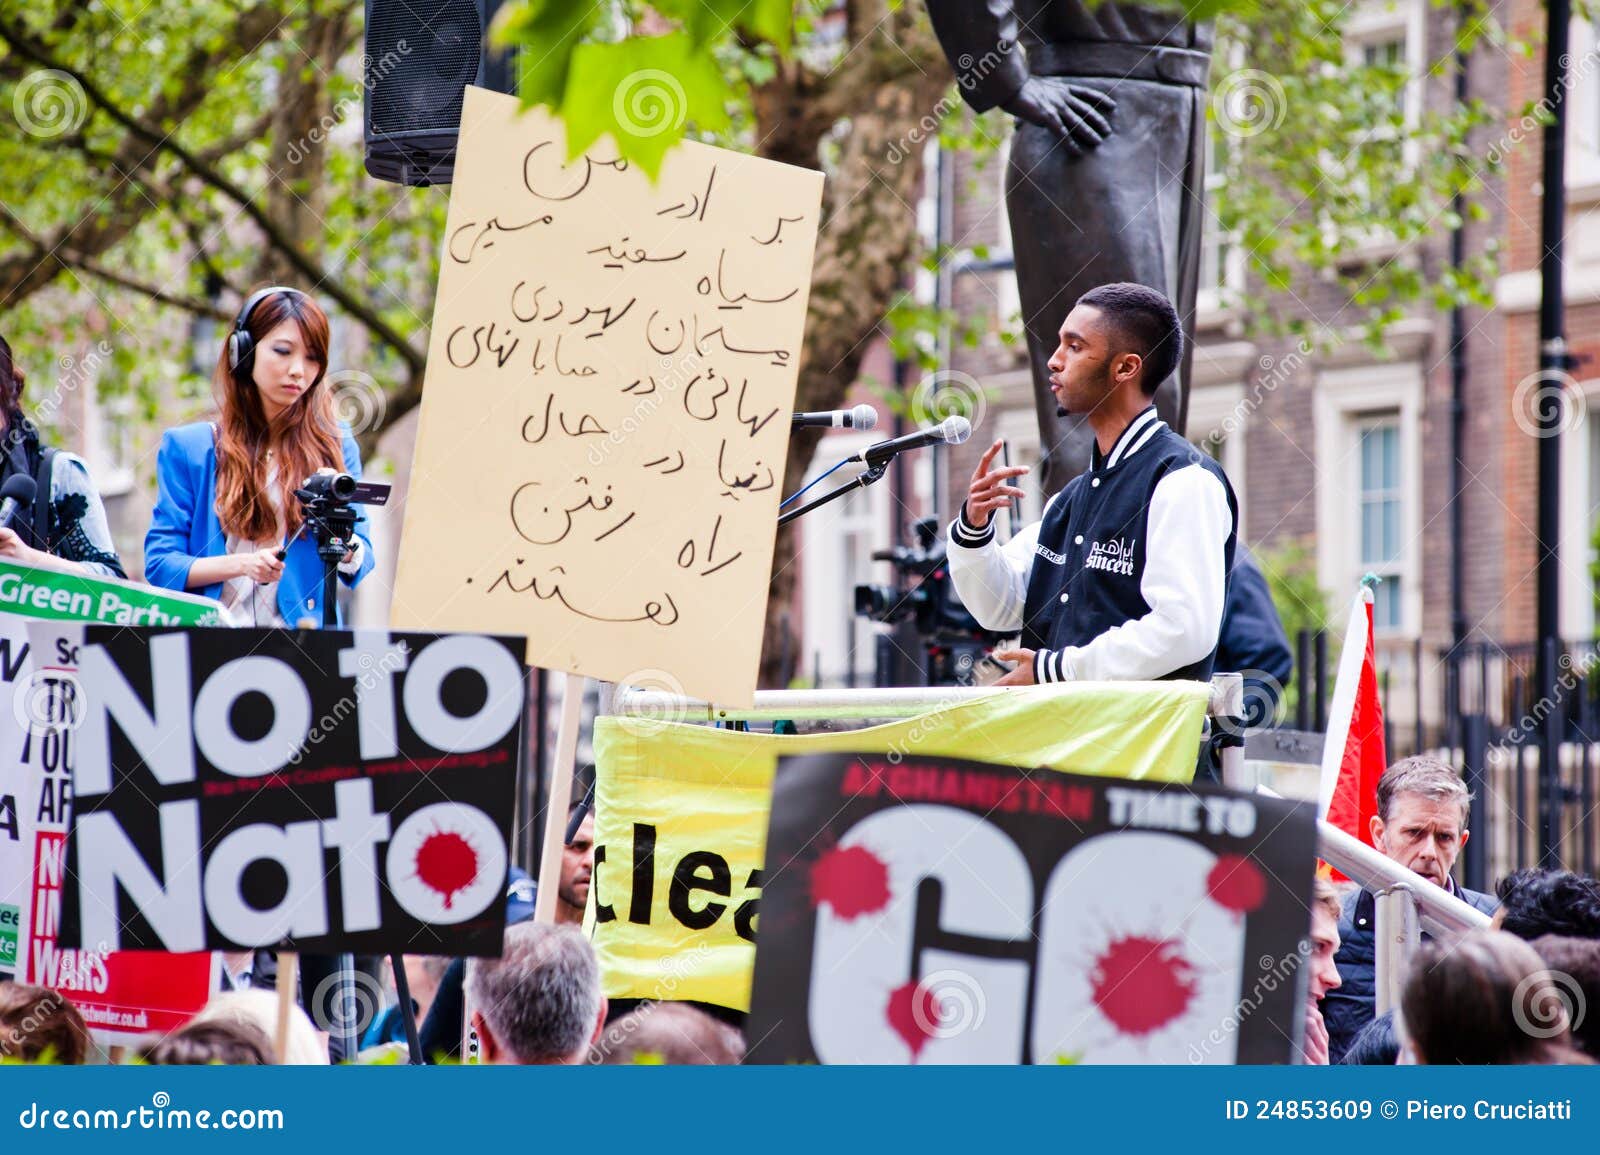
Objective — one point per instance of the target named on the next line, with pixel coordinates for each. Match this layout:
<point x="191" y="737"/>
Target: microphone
<point x="17" y="493"/>
<point x="861" y="417"/>
<point x="951" y="431"/>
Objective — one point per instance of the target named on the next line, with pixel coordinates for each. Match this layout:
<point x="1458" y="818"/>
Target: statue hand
<point x="1075" y="113"/>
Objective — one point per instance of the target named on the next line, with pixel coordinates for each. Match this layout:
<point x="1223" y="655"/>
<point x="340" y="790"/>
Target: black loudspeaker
<point x="420" y="56"/>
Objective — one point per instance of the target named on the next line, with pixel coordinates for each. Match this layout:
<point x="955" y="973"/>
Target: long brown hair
<point x="304" y="437"/>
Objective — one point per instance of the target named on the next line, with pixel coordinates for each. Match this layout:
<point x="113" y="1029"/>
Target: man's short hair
<point x="1324" y="895"/>
<point x="541" y="997"/>
<point x="1575" y="969"/>
<point x="1143" y="321"/>
<point x="40" y="1025"/>
<point x="1535" y="902"/>
<point x="1425" y="775"/>
<point x="670" y="1033"/>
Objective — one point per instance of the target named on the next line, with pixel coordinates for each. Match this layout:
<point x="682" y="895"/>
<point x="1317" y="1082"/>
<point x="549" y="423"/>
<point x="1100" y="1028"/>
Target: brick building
<point x="1342" y="452"/>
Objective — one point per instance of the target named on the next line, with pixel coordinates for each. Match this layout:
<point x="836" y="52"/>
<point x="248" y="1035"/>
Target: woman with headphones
<point x="64" y="528"/>
<point x="227" y="524"/>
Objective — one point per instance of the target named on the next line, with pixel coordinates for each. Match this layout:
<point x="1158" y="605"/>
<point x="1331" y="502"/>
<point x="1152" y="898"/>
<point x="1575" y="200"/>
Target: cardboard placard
<point x="941" y="911"/>
<point x="316" y="790"/>
<point x="604" y="425"/>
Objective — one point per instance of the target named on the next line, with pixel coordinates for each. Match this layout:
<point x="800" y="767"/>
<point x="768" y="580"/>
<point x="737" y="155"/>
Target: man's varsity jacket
<point x="1125" y="576"/>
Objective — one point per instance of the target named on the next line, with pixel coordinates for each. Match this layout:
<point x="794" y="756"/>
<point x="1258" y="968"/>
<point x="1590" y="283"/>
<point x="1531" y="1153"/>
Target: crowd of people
<point x="1524" y="990"/>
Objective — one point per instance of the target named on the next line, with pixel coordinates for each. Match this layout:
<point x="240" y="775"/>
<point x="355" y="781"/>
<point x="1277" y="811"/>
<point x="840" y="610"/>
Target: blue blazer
<point x="184" y="526"/>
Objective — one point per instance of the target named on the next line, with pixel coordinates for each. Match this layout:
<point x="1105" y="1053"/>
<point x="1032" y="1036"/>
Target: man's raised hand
<point x="989" y="491"/>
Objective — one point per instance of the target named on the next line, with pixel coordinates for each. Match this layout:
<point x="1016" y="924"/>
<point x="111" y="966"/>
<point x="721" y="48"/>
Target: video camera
<point x="924" y="600"/>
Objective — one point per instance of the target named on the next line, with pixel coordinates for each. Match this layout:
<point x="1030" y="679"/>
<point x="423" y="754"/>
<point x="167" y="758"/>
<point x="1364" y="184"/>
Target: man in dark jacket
<point x="1253" y="642"/>
<point x="1420" y="824"/>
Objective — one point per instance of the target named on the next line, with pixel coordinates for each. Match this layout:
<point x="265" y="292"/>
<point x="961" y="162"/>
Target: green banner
<point x="42" y="593"/>
<point x="681" y="811"/>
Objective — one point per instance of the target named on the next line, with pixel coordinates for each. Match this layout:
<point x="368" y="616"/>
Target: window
<point x="1368" y="472"/>
<point x="836" y="547"/>
<point x="1381" y="498"/>
<point x="1222" y="259"/>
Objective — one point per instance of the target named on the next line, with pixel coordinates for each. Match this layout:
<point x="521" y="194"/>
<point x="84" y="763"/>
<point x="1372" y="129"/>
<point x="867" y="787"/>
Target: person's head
<point x="675" y="1034"/>
<point x="1485" y="999"/>
<point x="577" y="865"/>
<point x="276" y="398"/>
<point x="1574" y="965"/>
<point x="1376" y="1045"/>
<point x="258" y="1009"/>
<point x="224" y="1042"/>
<point x="1323" y="974"/>
<point x="1422" y="816"/>
<point x="1535" y="902"/>
<point x="540" y="1001"/>
<point x="12" y="380"/>
<point x="39" y="1025"/>
<point x="1121" y="338"/>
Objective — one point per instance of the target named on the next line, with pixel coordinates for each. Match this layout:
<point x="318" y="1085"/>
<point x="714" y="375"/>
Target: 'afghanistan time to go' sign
<point x="941" y="911"/>
<point x="327" y="790"/>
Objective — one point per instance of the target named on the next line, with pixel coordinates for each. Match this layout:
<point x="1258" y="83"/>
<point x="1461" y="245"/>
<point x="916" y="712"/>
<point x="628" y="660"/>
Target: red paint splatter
<point x="1142" y="984"/>
<point x="446" y="863"/>
<point x="852" y="880"/>
<point x="915" y="1015"/>
<point x="1237" y="884"/>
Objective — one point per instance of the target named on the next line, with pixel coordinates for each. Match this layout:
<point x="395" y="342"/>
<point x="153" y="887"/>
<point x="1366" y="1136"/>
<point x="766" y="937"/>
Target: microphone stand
<point x="865" y="478"/>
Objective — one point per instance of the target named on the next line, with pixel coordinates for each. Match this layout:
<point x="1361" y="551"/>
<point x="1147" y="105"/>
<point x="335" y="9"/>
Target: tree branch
<point x="209" y="175"/>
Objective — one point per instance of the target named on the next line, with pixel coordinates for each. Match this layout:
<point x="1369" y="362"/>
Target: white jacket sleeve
<point x="991" y="579"/>
<point x="1185" y="584"/>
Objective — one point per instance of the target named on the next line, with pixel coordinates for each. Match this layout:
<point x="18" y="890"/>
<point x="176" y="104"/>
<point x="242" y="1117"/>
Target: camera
<point x="342" y="489"/>
<point x="924" y="604"/>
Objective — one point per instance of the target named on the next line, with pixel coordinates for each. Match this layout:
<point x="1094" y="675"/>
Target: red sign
<point x="119" y="993"/>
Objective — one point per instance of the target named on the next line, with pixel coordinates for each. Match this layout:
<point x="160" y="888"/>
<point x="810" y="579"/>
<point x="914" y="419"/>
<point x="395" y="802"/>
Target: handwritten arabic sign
<point x="605" y="417"/>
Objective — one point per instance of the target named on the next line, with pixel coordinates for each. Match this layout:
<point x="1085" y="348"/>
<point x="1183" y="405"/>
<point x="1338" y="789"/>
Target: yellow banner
<point x="681" y="812"/>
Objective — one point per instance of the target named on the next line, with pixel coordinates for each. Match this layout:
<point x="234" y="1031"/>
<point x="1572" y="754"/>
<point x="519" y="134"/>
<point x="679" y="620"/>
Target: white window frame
<point x="1583" y="114"/>
<point x="1343" y="400"/>
<point x="1222" y="407"/>
<point x="1377" y="21"/>
<point x="1577" y="519"/>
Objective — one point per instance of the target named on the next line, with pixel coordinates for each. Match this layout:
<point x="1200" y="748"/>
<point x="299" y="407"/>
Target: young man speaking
<point x="1126" y="574"/>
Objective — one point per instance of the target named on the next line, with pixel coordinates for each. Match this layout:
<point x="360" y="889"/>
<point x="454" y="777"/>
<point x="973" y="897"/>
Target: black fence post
<point x="1475" y="759"/>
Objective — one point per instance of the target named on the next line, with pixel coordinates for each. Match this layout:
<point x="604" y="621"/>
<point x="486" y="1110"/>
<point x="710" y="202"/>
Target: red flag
<point x="1353" y="756"/>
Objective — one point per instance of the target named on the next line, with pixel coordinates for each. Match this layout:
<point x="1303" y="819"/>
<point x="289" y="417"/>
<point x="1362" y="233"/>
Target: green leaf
<point x="643" y="92"/>
<point x="548" y="32"/>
